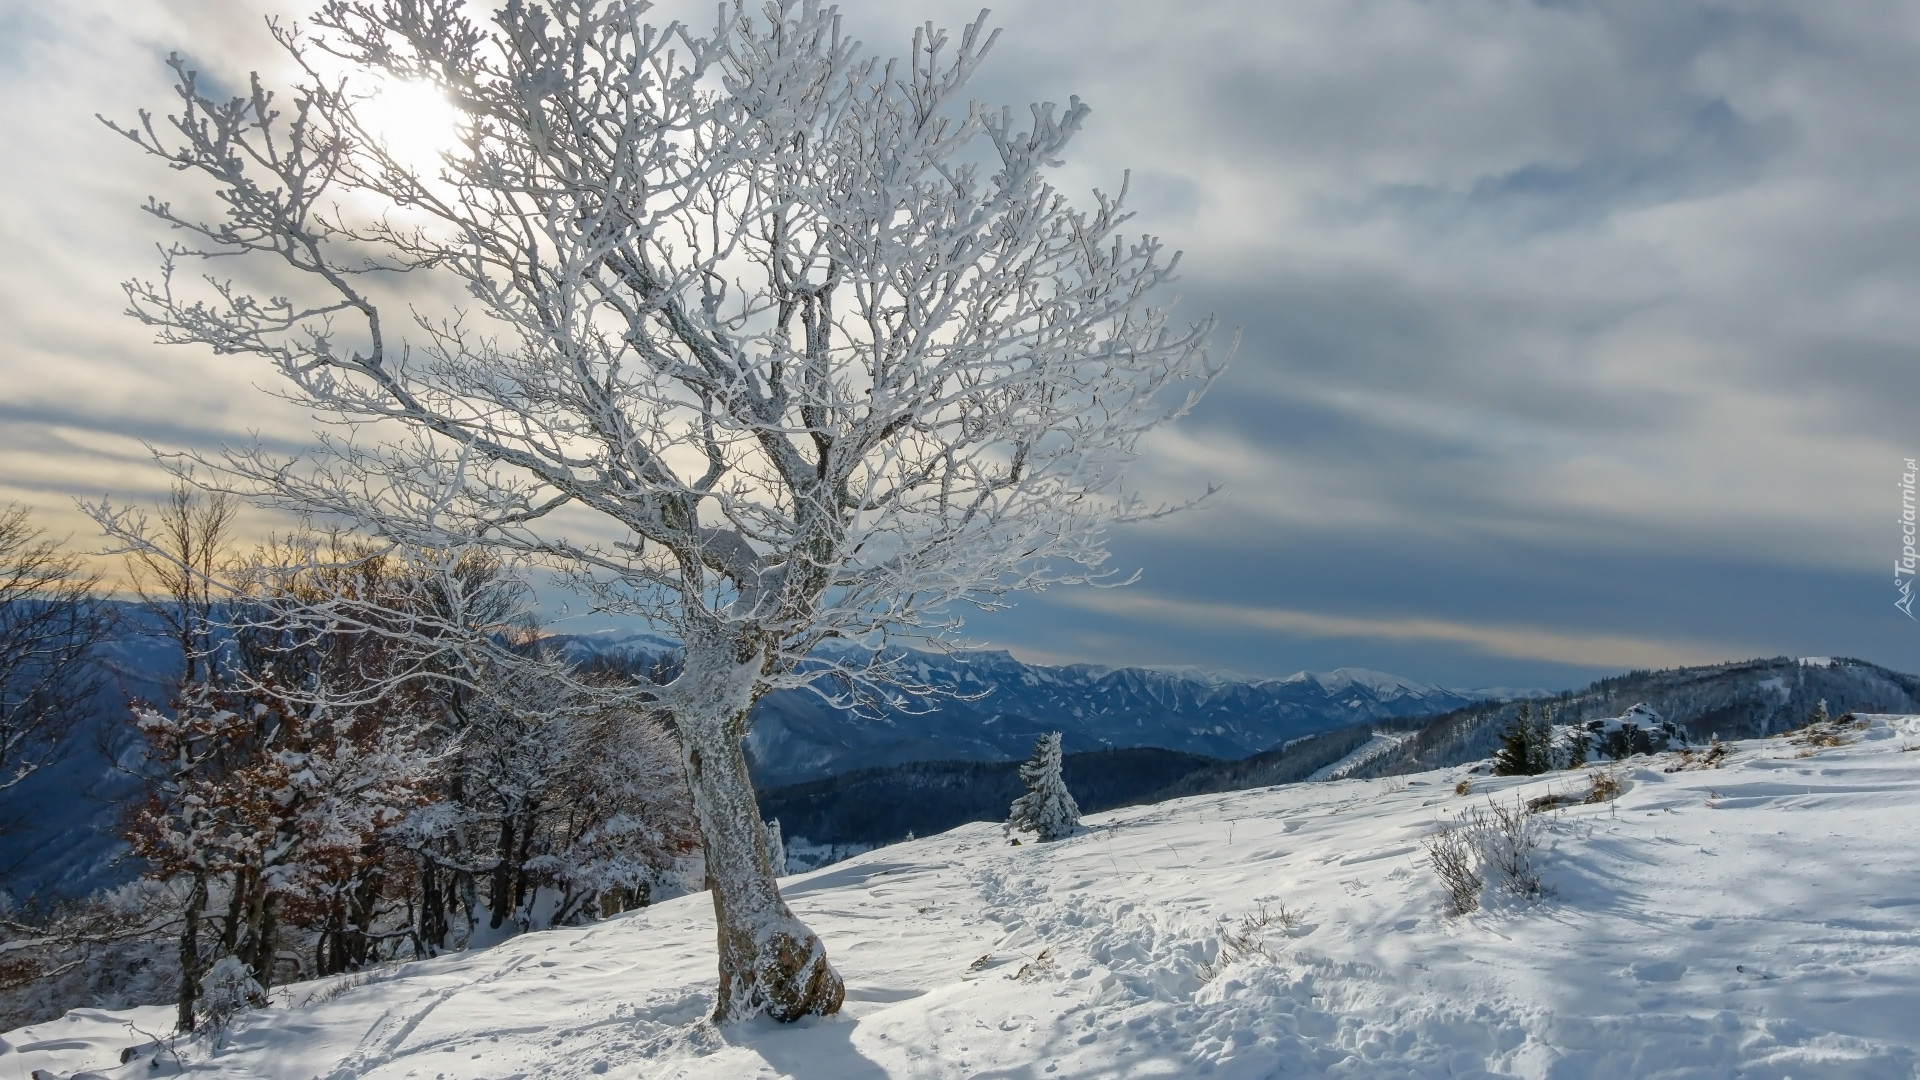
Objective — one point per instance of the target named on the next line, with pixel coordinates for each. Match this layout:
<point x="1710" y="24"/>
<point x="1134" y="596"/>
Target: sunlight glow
<point x="415" y="122"/>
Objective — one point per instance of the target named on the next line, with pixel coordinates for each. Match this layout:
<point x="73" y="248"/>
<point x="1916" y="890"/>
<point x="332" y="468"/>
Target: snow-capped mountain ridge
<point x="964" y="665"/>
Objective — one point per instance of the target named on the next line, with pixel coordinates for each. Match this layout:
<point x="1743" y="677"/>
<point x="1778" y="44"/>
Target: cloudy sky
<point x="1575" y="337"/>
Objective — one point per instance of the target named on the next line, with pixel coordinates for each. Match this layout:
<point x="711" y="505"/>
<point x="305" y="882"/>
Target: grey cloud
<point x="1597" y="316"/>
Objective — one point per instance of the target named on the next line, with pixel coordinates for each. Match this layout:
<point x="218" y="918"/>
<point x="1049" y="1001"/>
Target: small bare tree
<point x="51" y="618"/>
<point x="765" y="341"/>
<point x="177" y="575"/>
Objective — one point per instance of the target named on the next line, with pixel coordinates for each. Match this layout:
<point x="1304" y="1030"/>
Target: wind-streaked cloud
<point x="1537" y="643"/>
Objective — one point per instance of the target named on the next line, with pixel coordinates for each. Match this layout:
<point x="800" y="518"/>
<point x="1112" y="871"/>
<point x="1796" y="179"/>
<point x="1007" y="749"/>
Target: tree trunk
<point x="769" y="961"/>
<point x="522" y="881"/>
<point x="501" y="899"/>
<point x="432" y="935"/>
<point x="236" y="912"/>
<point x="190" y="954"/>
<point x="363" y="901"/>
<point x="264" y="936"/>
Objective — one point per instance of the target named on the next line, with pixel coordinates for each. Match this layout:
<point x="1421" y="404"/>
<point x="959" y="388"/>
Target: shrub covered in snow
<point x="1491" y="845"/>
<point x="227" y="990"/>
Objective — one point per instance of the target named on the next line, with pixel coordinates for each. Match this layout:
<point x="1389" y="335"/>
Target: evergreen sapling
<point x="1047" y="809"/>
<point x="1543" y="755"/>
<point x="776" y="848"/>
<point x="1522" y="750"/>
<point x="1577" y="748"/>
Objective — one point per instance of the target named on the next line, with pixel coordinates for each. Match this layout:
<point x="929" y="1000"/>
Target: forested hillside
<point x="1731" y="701"/>
<point x="878" y="806"/>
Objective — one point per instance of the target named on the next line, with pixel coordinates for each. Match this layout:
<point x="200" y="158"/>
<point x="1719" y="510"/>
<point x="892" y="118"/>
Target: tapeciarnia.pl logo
<point x="1905" y="563"/>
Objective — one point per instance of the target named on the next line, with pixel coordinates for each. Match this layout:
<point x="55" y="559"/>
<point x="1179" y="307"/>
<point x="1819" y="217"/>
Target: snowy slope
<point x="1382" y="743"/>
<point x="1751" y="921"/>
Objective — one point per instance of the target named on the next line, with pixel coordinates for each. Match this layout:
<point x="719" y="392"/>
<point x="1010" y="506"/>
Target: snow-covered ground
<point x="1755" y="921"/>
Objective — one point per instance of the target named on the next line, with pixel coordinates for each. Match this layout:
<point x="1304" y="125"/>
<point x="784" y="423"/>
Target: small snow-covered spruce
<point x="776" y="848"/>
<point x="1047" y="809"/>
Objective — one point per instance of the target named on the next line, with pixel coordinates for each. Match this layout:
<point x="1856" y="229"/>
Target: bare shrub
<point x="1606" y="787"/>
<point x="1249" y="939"/>
<point x="1823" y="737"/>
<point x="1553" y="800"/>
<point x="1036" y="967"/>
<point x="322" y="994"/>
<point x="1822" y="732"/>
<point x="1453" y="858"/>
<point x="1496" y="843"/>
<point x="1505" y="838"/>
<point x="1687" y="759"/>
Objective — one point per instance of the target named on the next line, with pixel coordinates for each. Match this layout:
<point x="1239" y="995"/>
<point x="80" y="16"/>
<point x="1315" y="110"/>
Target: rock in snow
<point x="1750" y="921"/>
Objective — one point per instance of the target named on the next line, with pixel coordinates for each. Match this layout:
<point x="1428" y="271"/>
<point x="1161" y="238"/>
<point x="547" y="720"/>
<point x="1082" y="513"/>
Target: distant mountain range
<point x="58" y="826"/>
<point x="1749" y="699"/>
<point x="1002" y="704"/>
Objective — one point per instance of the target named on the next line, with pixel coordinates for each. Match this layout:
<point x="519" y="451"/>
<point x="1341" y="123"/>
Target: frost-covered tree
<point x="547" y="807"/>
<point x="743" y="331"/>
<point x="278" y="774"/>
<point x="1047" y="809"/>
<point x="625" y="833"/>
<point x="177" y="569"/>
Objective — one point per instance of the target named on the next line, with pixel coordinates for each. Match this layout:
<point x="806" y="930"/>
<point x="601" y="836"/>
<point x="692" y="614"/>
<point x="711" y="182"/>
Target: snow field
<point x="1755" y="921"/>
